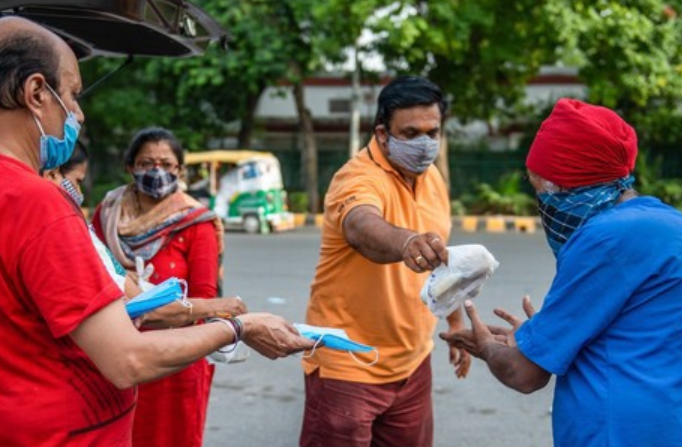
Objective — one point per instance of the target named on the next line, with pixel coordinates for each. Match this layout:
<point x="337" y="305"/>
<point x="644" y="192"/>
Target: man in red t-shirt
<point x="70" y="355"/>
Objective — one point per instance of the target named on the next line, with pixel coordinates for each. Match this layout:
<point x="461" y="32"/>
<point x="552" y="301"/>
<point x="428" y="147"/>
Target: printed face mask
<point x="73" y="192"/>
<point x="415" y="155"/>
<point x="156" y="183"/>
<point x="54" y="152"/>
<point x="562" y="213"/>
<point x="334" y="339"/>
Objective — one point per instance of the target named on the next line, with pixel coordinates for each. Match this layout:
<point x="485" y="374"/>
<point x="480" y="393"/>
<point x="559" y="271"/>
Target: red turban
<point x="581" y="144"/>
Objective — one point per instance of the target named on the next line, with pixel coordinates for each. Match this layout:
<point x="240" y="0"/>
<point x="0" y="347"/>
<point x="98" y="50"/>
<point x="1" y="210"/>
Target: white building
<point x="328" y="97"/>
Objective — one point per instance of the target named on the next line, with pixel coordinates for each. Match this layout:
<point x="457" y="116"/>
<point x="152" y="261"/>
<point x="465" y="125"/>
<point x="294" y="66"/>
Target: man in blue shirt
<point x="610" y="327"/>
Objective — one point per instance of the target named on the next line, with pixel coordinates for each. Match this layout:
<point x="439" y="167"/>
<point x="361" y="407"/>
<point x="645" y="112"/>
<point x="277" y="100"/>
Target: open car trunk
<point x="172" y="28"/>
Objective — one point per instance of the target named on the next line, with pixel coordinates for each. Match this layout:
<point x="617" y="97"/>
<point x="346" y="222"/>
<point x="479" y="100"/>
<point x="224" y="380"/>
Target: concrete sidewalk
<point x="470" y="224"/>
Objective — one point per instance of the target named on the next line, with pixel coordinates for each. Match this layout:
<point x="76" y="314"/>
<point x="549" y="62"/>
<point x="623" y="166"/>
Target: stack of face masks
<point x="159" y="295"/>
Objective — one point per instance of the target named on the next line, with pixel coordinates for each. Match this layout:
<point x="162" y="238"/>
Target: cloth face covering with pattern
<point x="415" y="155"/>
<point x="72" y="191"/>
<point x="562" y="213"/>
<point x="157" y="183"/>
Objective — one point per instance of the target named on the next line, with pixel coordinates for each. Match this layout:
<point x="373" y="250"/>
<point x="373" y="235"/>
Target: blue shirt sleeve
<point x="596" y="275"/>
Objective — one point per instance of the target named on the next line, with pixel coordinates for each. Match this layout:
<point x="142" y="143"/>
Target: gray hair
<point x="22" y="54"/>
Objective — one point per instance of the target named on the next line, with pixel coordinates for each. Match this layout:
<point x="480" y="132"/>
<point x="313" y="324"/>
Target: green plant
<point x="649" y="181"/>
<point x="507" y="197"/>
<point x="298" y="202"/>
<point x="457" y="208"/>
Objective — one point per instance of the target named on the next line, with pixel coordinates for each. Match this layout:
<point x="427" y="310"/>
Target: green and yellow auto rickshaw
<point x="243" y="187"/>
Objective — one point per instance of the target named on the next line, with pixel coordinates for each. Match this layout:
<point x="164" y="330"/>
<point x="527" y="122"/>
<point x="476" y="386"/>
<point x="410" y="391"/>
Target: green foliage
<point x="482" y="52"/>
<point x="298" y="202"/>
<point x="636" y="43"/>
<point x="196" y="97"/>
<point x="334" y="26"/>
<point x="650" y="181"/>
<point x="99" y="190"/>
<point x="457" y="208"/>
<point x="627" y="53"/>
<point x="507" y="197"/>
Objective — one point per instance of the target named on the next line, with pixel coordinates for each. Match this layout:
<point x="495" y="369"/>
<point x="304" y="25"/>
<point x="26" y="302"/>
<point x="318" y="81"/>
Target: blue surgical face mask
<point x="72" y="191"/>
<point x="54" y="152"/>
<point x="168" y="291"/>
<point x="334" y="339"/>
<point x="415" y="155"/>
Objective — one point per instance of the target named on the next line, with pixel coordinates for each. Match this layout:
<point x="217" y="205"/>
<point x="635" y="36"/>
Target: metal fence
<point x="468" y="168"/>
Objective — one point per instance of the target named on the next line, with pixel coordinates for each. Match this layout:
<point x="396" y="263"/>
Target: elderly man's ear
<point x="35" y="92"/>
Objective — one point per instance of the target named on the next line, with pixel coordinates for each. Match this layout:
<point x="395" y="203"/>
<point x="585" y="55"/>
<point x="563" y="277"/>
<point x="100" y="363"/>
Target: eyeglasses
<point x="146" y="165"/>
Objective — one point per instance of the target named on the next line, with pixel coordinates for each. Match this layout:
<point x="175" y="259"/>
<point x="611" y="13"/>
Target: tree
<point x="199" y="97"/>
<point x="627" y="53"/>
<point x="481" y="52"/>
<point x="338" y="38"/>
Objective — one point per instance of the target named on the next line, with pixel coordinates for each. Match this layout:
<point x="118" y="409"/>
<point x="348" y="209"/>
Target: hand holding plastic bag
<point x="469" y="266"/>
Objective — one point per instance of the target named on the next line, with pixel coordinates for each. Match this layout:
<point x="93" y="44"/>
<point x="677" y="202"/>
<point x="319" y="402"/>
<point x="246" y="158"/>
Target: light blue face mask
<point x="54" y="152"/>
<point x="168" y="291"/>
<point x="337" y="339"/>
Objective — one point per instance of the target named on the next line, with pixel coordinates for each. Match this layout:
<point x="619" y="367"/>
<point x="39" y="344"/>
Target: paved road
<point x="259" y="402"/>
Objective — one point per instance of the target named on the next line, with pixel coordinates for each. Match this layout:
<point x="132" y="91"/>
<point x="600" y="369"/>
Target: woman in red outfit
<point x="153" y="220"/>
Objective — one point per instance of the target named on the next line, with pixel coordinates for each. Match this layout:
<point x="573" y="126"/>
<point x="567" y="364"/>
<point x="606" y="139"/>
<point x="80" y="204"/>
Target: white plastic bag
<point x="448" y="286"/>
<point x="230" y="354"/>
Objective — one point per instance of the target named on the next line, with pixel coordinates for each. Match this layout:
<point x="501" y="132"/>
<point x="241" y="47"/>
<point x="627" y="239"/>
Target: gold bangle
<point x="223" y="315"/>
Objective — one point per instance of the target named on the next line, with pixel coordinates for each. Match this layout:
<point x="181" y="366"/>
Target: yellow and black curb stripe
<point x="490" y="224"/>
<point x="497" y="224"/>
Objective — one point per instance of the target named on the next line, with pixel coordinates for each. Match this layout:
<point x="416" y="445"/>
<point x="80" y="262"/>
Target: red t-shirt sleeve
<point x="64" y="275"/>
<point x="202" y="261"/>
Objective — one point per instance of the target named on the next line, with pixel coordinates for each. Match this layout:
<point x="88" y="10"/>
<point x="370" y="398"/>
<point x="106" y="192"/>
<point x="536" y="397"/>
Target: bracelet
<point x="239" y="326"/>
<point x="233" y="328"/>
<point x="407" y="241"/>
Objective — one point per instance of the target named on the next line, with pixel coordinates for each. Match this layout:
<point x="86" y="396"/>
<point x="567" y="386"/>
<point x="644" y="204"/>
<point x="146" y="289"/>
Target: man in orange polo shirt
<point x="386" y="225"/>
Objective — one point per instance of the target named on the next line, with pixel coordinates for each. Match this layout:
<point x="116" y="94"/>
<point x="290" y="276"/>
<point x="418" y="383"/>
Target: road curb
<point x="497" y="224"/>
<point x="471" y="224"/>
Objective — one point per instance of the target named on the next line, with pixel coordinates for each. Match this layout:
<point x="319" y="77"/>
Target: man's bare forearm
<point x="374" y="238"/>
<point x="513" y="369"/>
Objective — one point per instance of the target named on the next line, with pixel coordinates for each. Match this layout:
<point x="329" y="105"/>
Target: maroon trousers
<point x="349" y="414"/>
